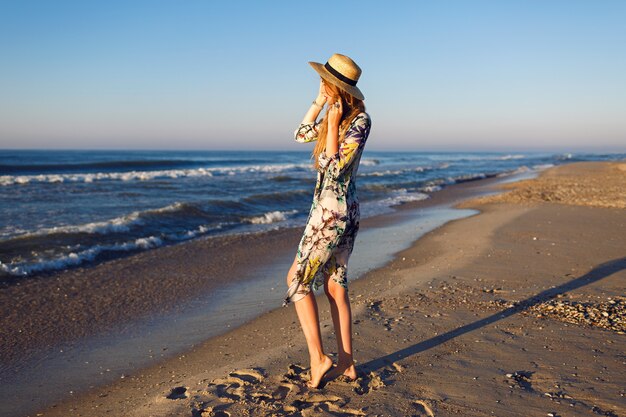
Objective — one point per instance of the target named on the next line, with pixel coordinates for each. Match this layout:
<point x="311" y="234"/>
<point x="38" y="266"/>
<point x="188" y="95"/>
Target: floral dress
<point x="333" y="220"/>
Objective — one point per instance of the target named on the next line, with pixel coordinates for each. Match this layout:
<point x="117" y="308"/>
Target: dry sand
<point x="459" y="324"/>
<point x="591" y="184"/>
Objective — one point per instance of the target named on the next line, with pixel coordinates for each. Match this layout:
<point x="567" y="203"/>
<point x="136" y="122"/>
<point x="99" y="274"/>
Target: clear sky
<point x="465" y="75"/>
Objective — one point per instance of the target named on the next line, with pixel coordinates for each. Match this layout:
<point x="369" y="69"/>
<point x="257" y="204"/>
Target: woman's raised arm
<point x="307" y="131"/>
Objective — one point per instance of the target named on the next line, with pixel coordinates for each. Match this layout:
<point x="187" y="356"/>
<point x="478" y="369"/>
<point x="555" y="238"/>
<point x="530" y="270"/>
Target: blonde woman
<point x="333" y="220"/>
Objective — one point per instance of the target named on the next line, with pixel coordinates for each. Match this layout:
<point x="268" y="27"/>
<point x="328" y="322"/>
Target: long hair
<point x="351" y="107"/>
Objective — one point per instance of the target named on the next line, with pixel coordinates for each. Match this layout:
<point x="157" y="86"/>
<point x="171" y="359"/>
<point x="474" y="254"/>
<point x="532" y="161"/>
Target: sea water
<point x="60" y="209"/>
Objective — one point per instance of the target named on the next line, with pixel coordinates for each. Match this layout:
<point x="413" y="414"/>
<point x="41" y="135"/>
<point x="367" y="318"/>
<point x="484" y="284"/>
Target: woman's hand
<point x="335" y="111"/>
<point x="321" y="95"/>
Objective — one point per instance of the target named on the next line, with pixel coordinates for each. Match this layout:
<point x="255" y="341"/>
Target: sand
<point x="595" y="185"/>
<point x="458" y="324"/>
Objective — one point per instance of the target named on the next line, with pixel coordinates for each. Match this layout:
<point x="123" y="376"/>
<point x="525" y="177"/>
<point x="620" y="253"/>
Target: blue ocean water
<point x="60" y="209"/>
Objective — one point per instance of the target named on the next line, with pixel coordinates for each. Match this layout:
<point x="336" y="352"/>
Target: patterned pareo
<point x="333" y="220"/>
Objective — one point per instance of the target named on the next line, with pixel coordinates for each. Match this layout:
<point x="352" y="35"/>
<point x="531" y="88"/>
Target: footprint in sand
<point x="423" y="408"/>
<point x="250" y="376"/>
<point x="375" y="380"/>
<point x="325" y="405"/>
<point x="283" y="390"/>
<point x="295" y="373"/>
<point x="233" y="387"/>
<point x="178" y="393"/>
<point x="251" y="392"/>
<point x="211" y="412"/>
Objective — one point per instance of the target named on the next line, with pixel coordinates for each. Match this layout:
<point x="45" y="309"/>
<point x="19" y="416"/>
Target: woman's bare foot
<point x="346" y="369"/>
<point x="318" y="370"/>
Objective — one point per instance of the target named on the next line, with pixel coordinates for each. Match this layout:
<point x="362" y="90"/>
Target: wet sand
<point x="458" y="324"/>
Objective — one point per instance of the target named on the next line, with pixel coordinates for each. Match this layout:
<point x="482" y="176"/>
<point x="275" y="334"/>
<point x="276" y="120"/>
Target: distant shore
<point x="461" y="321"/>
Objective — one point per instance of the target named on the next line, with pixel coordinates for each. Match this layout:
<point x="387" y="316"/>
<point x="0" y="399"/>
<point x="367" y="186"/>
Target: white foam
<point x="518" y="170"/>
<point x="404" y="197"/>
<point x="200" y="230"/>
<point x="77" y="258"/>
<point x="400" y="171"/>
<point x="469" y="157"/>
<point x="369" y="162"/>
<point x="272" y="217"/>
<point x="465" y="177"/>
<point x="146" y="175"/>
<point x="541" y="167"/>
<point x="10" y="231"/>
<point x="115" y="225"/>
<point x="373" y="208"/>
<point x="381" y="173"/>
<point x="430" y="188"/>
<point x="507" y="157"/>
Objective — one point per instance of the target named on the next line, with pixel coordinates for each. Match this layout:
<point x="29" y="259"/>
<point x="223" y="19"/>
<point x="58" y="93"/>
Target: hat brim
<point x="350" y="89"/>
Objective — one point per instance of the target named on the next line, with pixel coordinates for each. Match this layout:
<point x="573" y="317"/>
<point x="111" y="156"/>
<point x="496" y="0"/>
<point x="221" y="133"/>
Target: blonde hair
<point x="351" y="107"/>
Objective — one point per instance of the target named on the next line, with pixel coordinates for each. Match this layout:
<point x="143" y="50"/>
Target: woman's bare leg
<point x="306" y="308"/>
<point x="342" y="321"/>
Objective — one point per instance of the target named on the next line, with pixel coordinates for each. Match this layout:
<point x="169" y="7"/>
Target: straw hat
<point x="342" y="72"/>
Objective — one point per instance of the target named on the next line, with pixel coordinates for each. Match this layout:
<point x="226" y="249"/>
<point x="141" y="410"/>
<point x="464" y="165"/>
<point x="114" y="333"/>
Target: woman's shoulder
<point x="362" y="118"/>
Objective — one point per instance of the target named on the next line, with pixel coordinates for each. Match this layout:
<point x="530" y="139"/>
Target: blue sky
<point x="456" y="75"/>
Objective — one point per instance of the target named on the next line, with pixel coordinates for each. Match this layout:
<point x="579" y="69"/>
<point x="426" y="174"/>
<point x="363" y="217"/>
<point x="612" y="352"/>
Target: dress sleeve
<point x="306" y="132"/>
<point x="337" y="164"/>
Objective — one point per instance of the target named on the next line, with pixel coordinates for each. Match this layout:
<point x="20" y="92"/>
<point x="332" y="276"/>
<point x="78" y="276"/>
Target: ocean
<point x="62" y="209"/>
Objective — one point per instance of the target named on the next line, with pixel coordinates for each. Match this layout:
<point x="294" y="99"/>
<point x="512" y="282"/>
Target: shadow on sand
<point x="601" y="271"/>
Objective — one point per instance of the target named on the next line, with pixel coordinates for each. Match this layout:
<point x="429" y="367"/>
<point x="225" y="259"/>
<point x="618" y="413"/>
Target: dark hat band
<point x="339" y="75"/>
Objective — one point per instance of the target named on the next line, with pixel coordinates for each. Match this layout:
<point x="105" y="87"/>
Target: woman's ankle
<point x="317" y="359"/>
<point x="345" y="361"/>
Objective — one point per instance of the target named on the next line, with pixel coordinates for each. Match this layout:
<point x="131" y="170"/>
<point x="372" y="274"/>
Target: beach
<point x="516" y="310"/>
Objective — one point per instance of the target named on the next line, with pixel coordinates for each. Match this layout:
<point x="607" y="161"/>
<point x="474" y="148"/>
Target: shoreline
<point x="196" y="364"/>
<point x="107" y="302"/>
<point x="79" y="301"/>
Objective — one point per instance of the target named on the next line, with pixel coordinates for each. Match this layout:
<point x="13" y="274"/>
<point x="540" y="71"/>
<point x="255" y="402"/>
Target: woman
<point x="334" y="217"/>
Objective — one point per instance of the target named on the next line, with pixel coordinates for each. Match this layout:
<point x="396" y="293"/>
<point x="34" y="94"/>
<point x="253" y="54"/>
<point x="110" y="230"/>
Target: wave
<point x="431" y="188"/>
<point x="272" y="217"/>
<point x="403" y="196"/>
<point x="466" y="157"/>
<point x="118" y="164"/>
<point x="507" y="157"/>
<point x="6" y="180"/>
<point x="384" y="205"/>
<point x="115" y="225"/>
<point x="467" y="177"/>
<point x="92" y="165"/>
<point x="200" y="230"/>
<point x="393" y="172"/>
<point x="564" y="156"/>
<point x="369" y="162"/>
<point x="541" y="167"/>
<point x="77" y="258"/>
<point x="214" y="210"/>
<point x="518" y="170"/>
